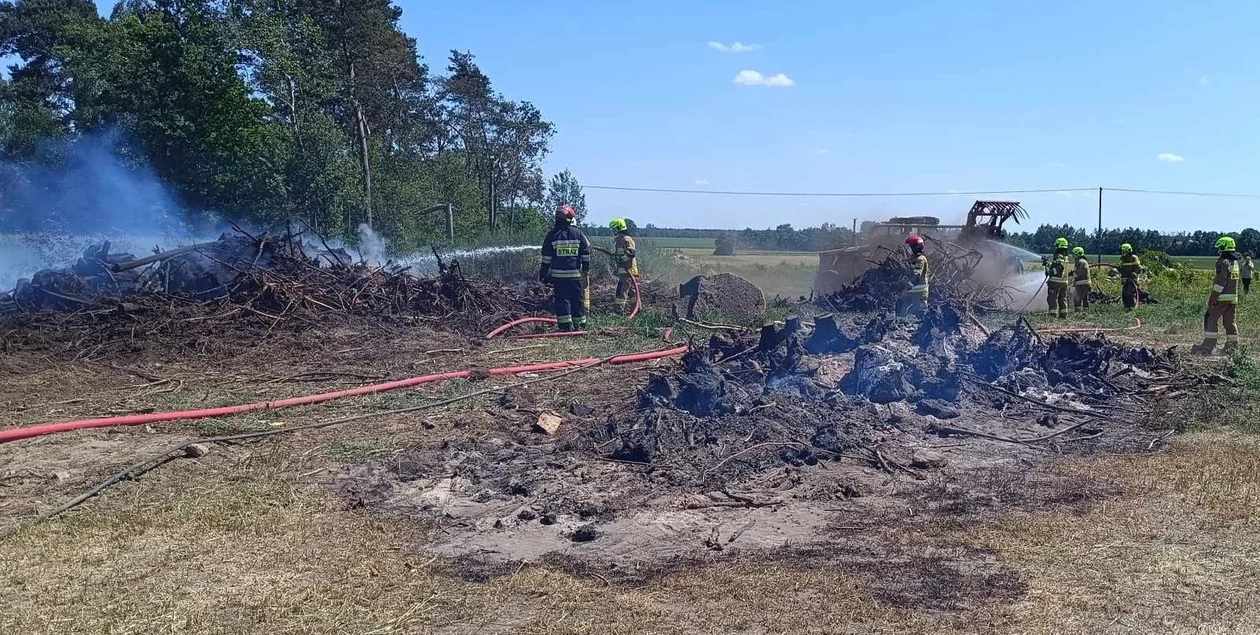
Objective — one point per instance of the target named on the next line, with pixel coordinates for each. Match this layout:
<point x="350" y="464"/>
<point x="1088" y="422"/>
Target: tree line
<point x="1197" y="243"/>
<point x="262" y="111"/>
<point x="781" y="238"/>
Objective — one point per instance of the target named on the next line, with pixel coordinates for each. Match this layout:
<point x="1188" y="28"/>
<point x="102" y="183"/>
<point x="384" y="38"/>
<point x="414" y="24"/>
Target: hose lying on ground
<point x="638" y="303"/>
<point x="157" y="460"/>
<point x="185" y="415"/>
<point x="1137" y="324"/>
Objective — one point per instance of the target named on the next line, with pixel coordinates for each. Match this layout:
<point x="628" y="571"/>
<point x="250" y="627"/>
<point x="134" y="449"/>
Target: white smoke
<point x="80" y="191"/>
<point x="372" y="246"/>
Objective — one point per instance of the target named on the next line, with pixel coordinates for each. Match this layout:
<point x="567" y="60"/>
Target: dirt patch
<point x="724" y="294"/>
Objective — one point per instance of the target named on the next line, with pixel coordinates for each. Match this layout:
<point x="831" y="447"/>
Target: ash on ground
<point x="760" y="444"/>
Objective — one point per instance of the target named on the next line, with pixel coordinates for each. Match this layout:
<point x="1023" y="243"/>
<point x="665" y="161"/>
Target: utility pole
<point x="855" y="238"/>
<point x="1098" y="242"/>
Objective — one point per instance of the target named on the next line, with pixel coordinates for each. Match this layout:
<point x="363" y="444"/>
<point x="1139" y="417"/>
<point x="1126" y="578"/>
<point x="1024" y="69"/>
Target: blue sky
<point x="898" y="96"/>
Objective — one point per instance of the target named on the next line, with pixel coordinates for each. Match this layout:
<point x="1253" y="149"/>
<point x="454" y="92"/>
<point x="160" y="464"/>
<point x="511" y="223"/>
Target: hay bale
<point x="723" y="294"/>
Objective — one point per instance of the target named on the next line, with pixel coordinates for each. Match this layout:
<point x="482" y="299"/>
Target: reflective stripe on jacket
<point x="625" y="254"/>
<point x="1130" y="266"/>
<point x="1082" y="272"/>
<point x="919" y="266"/>
<point x="1056" y="272"/>
<point x="1225" y="285"/>
<point x="566" y="253"/>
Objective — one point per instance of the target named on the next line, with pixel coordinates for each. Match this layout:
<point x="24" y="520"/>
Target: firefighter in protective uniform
<point x="566" y="256"/>
<point x="915" y="299"/>
<point x="1057" y="279"/>
<point x="1080" y="277"/>
<point x="627" y="265"/>
<point x="1130" y="267"/>
<point x="1223" y="301"/>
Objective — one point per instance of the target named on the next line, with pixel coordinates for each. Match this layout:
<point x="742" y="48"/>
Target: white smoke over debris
<point x="372" y="246"/>
<point x="76" y="192"/>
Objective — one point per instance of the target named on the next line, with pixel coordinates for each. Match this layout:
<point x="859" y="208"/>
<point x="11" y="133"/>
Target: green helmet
<point x="617" y="224"/>
<point x="1226" y="243"/>
<point x="1126" y="248"/>
<point x="1060" y="243"/>
<point x="1079" y="251"/>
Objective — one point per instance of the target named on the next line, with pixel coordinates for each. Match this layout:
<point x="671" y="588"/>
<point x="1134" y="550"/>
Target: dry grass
<point x="241" y="543"/>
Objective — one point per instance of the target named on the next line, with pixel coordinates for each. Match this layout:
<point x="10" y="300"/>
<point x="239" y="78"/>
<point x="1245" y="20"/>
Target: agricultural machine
<point x="982" y="236"/>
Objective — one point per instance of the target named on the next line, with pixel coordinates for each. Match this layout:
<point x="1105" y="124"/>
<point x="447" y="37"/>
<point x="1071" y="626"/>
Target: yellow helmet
<point x="1226" y="243"/>
<point x="1126" y="248"/>
<point x="1060" y="243"/>
<point x="1079" y="251"/>
<point x="618" y="225"/>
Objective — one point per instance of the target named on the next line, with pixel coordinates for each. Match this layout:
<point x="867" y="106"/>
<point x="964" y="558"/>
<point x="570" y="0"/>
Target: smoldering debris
<point x="851" y="409"/>
<point x="278" y="275"/>
<point x="957" y="279"/>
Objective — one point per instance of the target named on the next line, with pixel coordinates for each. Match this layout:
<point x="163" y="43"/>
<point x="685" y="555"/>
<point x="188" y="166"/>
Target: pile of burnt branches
<point x="272" y="276"/>
<point x="954" y="282"/>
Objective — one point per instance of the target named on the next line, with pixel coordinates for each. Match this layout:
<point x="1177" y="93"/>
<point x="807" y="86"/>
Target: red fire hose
<point x="638" y="303"/>
<point x="184" y="415"/>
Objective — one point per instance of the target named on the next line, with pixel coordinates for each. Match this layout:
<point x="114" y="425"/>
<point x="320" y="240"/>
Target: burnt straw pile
<point x="271" y="276"/>
<point x="799" y="415"/>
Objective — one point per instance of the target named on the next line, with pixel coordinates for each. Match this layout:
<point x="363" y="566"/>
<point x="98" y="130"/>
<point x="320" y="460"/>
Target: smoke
<point x="372" y="247"/>
<point x="78" y="191"/>
<point x="83" y="186"/>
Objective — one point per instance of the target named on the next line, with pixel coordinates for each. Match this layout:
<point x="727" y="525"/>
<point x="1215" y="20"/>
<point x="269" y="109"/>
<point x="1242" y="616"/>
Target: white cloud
<point x="701" y="182"/>
<point x="1056" y="164"/>
<point x="1063" y="194"/>
<point x="754" y="78"/>
<point x="1203" y="80"/>
<point x="1170" y="157"/>
<point x="734" y="47"/>
<point x="822" y="151"/>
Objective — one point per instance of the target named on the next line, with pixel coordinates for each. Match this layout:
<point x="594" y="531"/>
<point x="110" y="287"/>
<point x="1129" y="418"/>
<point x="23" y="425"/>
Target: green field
<point x="1202" y="262"/>
<point x="675" y="242"/>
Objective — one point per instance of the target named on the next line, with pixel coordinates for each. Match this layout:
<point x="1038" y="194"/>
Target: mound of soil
<point x="725" y="294"/>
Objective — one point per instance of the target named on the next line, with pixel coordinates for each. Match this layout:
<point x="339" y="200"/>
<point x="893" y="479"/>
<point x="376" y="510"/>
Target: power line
<point x="1176" y="193"/>
<point x="835" y="194"/>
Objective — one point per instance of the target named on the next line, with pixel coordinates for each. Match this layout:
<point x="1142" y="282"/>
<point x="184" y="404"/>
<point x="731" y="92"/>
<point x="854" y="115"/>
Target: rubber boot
<point x="1203" y="348"/>
<point x="1230" y="347"/>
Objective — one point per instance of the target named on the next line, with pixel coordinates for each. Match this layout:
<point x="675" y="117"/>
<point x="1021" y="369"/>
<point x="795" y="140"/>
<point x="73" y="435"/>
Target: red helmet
<point x="565" y="213"/>
<point x="915" y="242"/>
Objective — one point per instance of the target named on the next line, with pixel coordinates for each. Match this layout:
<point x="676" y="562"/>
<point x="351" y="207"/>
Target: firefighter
<point x="566" y="256"/>
<point x="627" y="264"/>
<point x="1223" y="301"/>
<point x="915" y="299"/>
<point x="1130" y="267"/>
<point x="1080" y="276"/>
<point x="1248" y="270"/>
<point x="1057" y="279"/>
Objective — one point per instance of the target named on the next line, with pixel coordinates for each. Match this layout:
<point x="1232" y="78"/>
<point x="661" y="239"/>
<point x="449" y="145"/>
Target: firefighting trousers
<point x="1056" y="298"/>
<point x="1081" y="299"/>
<point x="912" y="303"/>
<point x="570" y="305"/>
<point x="1129" y="293"/>
<point x="1221" y="313"/>
<point x="624" y="286"/>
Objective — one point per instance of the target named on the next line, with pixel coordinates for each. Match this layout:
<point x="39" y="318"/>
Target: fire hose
<point x="638" y="303"/>
<point x="185" y="415"/>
